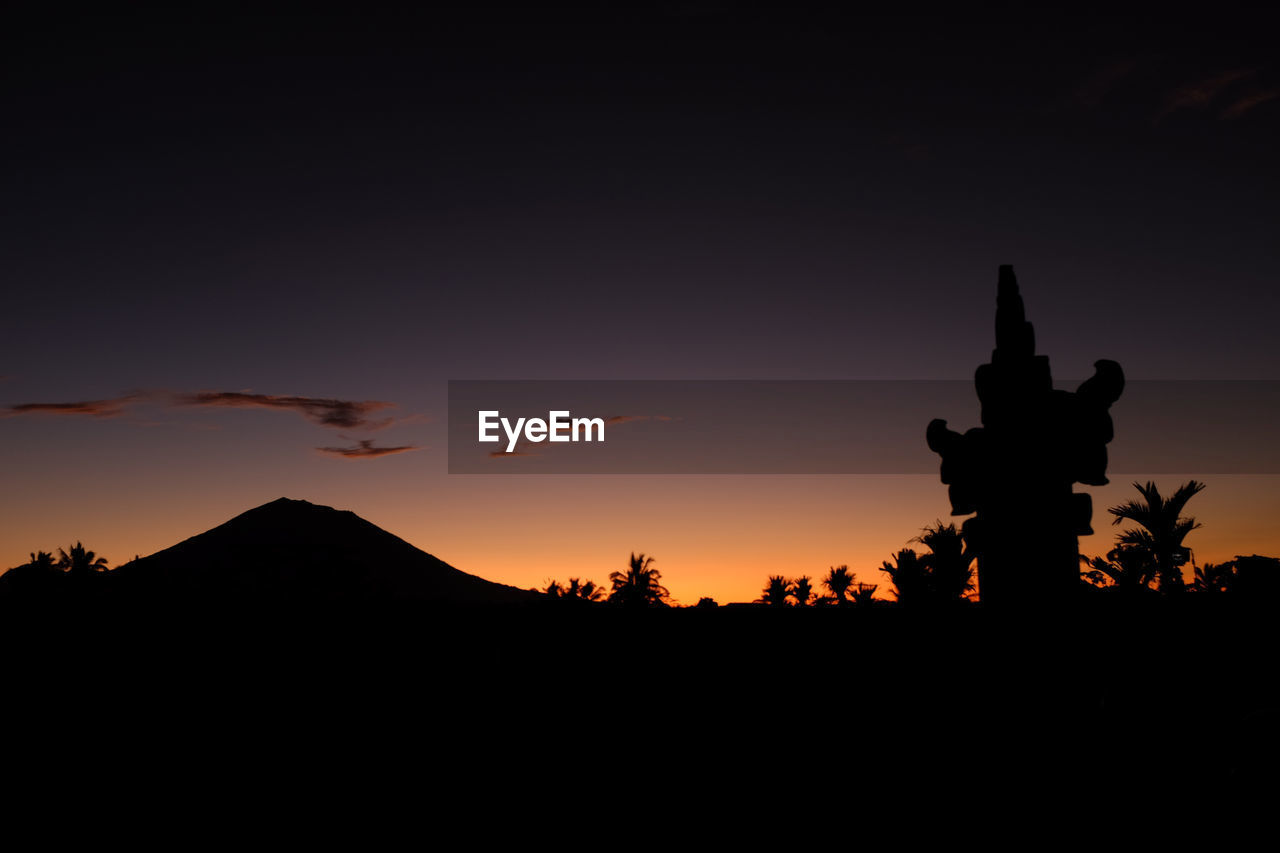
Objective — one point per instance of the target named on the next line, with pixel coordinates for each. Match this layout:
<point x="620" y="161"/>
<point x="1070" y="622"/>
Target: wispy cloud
<point x="365" y="449"/>
<point x="626" y="419"/>
<point x="1243" y="104"/>
<point x="343" y="414"/>
<point x="502" y="454"/>
<point x="1201" y="93"/>
<point x="96" y="408"/>
<point x="326" y="412"/>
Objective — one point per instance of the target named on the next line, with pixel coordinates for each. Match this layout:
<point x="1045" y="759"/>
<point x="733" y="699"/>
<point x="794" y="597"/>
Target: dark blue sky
<point x="746" y="193"/>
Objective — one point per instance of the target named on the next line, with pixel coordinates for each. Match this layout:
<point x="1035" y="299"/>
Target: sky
<point x="245" y="253"/>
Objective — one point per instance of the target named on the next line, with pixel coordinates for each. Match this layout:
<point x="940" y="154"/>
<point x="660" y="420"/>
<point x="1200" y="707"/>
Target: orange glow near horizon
<point x="711" y="536"/>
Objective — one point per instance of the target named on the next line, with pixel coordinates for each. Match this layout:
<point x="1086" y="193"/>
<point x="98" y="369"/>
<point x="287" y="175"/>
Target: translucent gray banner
<point x="823" y="426"/>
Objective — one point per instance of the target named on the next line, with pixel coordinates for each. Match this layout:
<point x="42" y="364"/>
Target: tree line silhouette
<point x="1148" y="559"/>
<point x="842" y="585"/>
<point x="639" y="586"/>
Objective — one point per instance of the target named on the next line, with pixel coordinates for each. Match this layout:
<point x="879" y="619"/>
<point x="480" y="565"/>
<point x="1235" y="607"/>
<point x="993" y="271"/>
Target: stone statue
<point x="1016" y="471"/>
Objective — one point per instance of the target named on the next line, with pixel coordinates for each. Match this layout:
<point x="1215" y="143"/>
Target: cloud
<point x="1242" y="105"/>
<point x="97" y="408"/>
<point x="408" y="420"/>
<point x="626" y="419"/>
<point x="343" y="414"/>
<point x="1202" y="92"/>
<point x="365" y="449"/>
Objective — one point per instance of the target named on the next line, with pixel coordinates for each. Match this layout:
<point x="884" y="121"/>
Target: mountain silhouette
<point x="294" y="550"/>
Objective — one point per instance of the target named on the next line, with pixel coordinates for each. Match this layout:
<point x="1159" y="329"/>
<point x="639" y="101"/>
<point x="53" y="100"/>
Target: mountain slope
<point x="296" y="550"/>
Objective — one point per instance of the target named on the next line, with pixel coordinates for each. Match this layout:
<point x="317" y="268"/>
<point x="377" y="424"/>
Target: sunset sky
<point x="244" y="255"/>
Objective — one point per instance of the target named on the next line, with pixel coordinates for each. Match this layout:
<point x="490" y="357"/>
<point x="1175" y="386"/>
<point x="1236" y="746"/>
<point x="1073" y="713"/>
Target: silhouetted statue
<point x="1016" y="471"/>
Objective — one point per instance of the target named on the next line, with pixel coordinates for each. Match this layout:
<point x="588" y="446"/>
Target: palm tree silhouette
<point x="802" y="590"/>
<point x="79" y="562"/>
<point x="638" y="586"/>
<point x="581" y="590"/>
<point x="837" y="582"/>
<point x="910" y="576"/>
<point x="1161" y="529"/>
<point x="42" y="561"/>
<point x="575" y="590"/>
<point x="865" y="593"/>
<point x="1125" y="568"/>
<point x="776" y="591"/>
<point x="1215" y="577"/>
<point x="945" y="574"/>
<point x="950" y="571"/>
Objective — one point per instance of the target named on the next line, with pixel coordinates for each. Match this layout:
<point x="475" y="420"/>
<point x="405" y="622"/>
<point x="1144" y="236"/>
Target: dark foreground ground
<point x="1085" y="706"/>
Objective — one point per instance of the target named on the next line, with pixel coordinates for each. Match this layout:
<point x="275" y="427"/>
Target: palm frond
<point x="1184" y="493"/>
